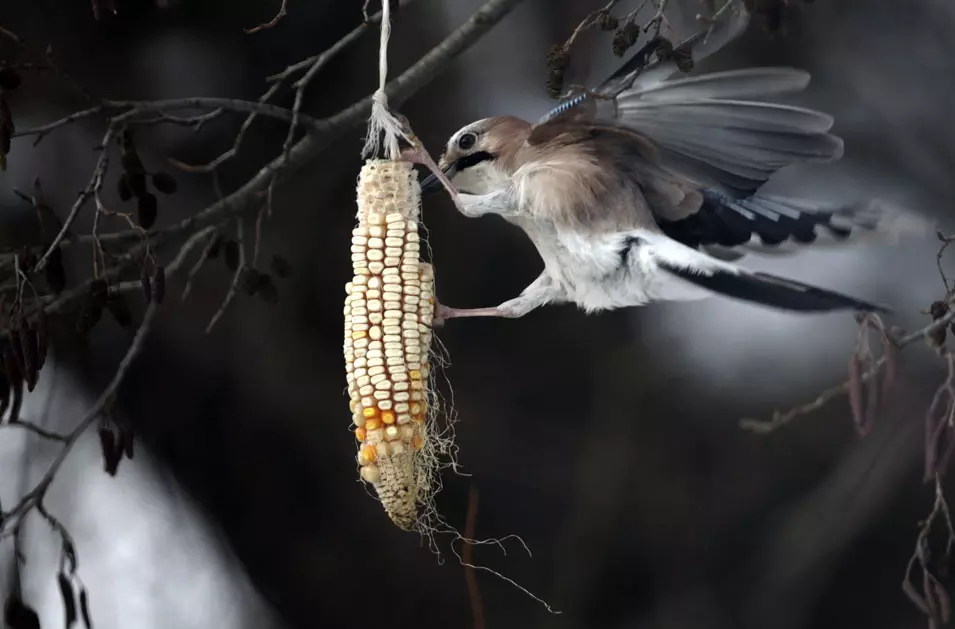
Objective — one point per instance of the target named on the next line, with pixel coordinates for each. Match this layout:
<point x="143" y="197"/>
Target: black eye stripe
<point x="472" y="160"/>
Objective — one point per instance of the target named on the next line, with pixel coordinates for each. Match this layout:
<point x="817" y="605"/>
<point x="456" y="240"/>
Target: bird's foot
<point x="442" y="313"/>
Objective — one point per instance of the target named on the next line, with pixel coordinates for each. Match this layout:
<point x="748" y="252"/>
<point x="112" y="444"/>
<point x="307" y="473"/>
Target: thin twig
<point x="234" y="285"/>
<point x="271" y="23"/>
<point x="95" y="183"/>
<point x="36" y="495"/>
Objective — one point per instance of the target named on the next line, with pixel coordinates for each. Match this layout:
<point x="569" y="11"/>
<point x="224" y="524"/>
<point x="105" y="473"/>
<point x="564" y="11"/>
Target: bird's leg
<point x="541" y="291"/>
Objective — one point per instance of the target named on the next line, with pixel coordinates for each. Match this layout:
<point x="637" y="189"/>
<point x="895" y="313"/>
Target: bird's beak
<point x="430" y="183"/>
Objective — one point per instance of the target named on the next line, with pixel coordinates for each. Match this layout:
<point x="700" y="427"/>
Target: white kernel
<point x="375" y="332"/>
<point x="411" y="289"/>
<point x="407" y="433"/>
<point x="403" y="418"/>
<point x="401" y="386"/>
<point x="366" y="390"/>
<point x="391" y="262"/>
<point x="376" y="267"/>
<point x="374" y="371"/>
<point x="374" y="255"/>
<point x="374" y="218"/>
<point x="394" y="252"/>
<point x="397" y="448"/>
<point x="382" y="448"/>
<point x="375" y="318"/>
<point x="412" y="236"/>
<point x="385" y="405"/>
<point x="376" y="231"/>
<point x="374" y="305"/>
<point x="359" y="240"/>
<point x="367" y="402"/>
<point x="394" y="217"/>
<point x="391" y="241"/>
<point x="376" y="243"/>
<point x="391" y="433"/>
<point x="382" y="394"/>
<point x="359" y="231"/>
<point x="370" y="474"/>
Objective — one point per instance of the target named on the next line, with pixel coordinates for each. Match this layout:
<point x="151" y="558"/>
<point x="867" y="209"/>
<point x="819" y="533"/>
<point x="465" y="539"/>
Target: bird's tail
<point x="776" y="292"/>
<point x="659" y="256"/>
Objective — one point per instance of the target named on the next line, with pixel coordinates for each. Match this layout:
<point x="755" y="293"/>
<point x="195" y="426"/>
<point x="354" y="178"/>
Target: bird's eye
<point x="466" y="141"/>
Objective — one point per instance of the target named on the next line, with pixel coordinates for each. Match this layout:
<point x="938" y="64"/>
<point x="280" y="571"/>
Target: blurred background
<point x="609" y="443"/>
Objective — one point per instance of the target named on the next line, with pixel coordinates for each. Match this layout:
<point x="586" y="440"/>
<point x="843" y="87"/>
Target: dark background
<point x="608" y="442"/>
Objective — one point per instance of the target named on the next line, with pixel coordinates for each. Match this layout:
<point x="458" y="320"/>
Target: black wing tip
<point x="777" y="292"/>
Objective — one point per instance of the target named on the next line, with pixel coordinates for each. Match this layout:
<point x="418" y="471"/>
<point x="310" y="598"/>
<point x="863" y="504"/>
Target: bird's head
<point x="480" y="157"/>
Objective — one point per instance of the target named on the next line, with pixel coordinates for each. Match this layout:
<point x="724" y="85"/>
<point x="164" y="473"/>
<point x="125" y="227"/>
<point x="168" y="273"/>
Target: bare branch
<point x="271" y="23"/>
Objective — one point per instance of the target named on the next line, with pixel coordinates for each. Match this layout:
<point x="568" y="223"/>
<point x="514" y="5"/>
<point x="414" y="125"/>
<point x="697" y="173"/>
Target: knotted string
<point x="382" y="121"/>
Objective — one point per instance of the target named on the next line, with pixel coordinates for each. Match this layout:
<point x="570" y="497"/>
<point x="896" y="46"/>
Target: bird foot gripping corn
<point x="389" y="307"/>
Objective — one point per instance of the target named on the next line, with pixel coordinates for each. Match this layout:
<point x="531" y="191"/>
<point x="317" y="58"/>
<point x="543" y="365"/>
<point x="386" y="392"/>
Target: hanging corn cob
<point x="389" y="307"/>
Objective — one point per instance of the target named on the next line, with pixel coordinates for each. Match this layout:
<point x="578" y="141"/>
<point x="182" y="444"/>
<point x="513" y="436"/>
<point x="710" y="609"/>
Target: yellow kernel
<point x="387" y="417"/>
<point x="416" y="409"/>
<point x="417" y="443"/>
<point x="372" y="424"/>
<point x="360" y="434"/>
<point x="414" y="374"/>
<point x="369" y="452"/>
<point x="359" y="334"/>
<point x="369" y="412"/>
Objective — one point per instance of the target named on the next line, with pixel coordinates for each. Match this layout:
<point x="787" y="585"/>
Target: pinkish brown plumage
<point x="648" y="193"/>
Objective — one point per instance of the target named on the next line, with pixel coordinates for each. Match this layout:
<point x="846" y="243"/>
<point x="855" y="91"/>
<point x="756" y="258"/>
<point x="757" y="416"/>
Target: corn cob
<point x="389" y="307"/>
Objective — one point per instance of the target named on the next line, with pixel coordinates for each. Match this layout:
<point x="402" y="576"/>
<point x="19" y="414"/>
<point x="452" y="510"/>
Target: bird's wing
<point x="708" y="129"/>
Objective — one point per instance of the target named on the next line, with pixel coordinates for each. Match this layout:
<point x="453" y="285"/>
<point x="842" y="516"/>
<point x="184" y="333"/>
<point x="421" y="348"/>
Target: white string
<point x="381" y="120"/>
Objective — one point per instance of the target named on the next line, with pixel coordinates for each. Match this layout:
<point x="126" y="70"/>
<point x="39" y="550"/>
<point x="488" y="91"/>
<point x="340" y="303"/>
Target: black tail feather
<point x="776" y="292"/>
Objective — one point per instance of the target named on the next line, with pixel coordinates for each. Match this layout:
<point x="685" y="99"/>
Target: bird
<point x="648" y="187"/>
